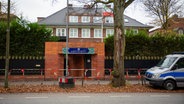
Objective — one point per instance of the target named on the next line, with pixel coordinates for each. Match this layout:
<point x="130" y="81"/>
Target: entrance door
<point x="64" y="66"/>
<point x="87" y="65"/>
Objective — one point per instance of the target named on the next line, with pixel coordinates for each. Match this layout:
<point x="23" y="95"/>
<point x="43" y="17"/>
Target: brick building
<point x="87" y="27"/>
<point x="175" y="24"/>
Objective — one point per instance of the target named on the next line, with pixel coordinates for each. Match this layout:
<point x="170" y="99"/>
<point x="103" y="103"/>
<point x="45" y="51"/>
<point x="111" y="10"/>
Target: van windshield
<point x="166" y="62"/>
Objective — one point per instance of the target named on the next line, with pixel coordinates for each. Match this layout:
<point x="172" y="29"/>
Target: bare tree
<point x="162" y="10"/>
<point x="4" y="6"/>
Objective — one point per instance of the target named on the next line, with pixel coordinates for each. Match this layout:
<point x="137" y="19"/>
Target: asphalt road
<point x="92" y="98"/>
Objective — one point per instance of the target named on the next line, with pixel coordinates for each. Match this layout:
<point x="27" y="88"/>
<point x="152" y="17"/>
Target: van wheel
<point x="169" y="85"/>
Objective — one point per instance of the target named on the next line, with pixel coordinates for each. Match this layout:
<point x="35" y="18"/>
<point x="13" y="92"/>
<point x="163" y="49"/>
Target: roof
<point x="3" y="16"/>
<point x="59" y="18"/>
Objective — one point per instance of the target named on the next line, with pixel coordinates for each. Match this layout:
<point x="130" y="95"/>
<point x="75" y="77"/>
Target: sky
<point x="31" y="9"/>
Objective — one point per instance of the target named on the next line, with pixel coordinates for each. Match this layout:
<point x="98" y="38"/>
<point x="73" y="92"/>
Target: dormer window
<point x="126" y="20"/>
<point x="97" y="19"/>
<point x="109" y="20"/>
<point x="86" y="19"/>
<point x="73" y="18"/>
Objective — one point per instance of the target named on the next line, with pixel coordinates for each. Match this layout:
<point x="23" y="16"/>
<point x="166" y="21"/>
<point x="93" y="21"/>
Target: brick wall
<point x="54" y="59"/>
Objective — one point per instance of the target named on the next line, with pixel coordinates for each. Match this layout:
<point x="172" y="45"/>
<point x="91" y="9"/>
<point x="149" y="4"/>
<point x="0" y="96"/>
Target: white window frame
<point x="125" y="31"/>
<point x="109" y="20"/>
<point x="180" y="32"/>
<point x="135" y="31"/>
<point x="73" y="18"/>
<point x="126" y="20"/>
<point x="109" y="32"/>
<point x="85" y="19"/>
<point x="73" y="33"/>
<point x="98" y="33"/>
<point x="85" y="33"/>
<point x="97" y="19"/>
<point x="60" y="32"/>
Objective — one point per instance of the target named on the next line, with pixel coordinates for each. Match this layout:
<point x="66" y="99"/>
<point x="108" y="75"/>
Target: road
<point x="92" y="98"/>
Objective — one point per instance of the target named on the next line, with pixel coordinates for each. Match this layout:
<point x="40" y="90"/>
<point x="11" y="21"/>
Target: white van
<point x="169" y="72"/>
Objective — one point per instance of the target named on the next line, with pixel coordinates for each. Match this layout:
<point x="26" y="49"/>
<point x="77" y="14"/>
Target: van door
<point x="179" y="72"/>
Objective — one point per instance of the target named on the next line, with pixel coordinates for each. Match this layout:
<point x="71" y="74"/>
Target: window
<point x="109" y="32"/>
<point x="180" y="32"/>
<point x="97" y="33"/>
<point x="60" y="32"/>
<point x="135" y="31"/>
<point x="166" y="62"/>
<point x="73" y="18"/>
<point x="73" y="33"/>
<point x="180" y="63"/>
<point x="85" y="19"/>
<point x="97" y="19"/>
<point x="126" y="20"/>
<point x="109" y="20"/>
<point x="85" y="33"/>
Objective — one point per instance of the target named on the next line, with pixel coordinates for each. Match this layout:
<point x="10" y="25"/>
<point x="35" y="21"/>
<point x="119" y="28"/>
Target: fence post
<point x="22" y="71"/>
<point x="110" y="70"/>
<point x="139" y="74"/>
<point x="98" y="77"/>
<point x="127" y="75"/>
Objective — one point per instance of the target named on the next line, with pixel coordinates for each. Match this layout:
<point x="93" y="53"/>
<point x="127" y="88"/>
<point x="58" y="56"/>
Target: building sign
<point x="79" y="51"/>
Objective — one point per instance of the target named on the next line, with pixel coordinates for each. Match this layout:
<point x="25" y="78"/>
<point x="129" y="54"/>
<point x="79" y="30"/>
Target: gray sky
<point x="31" y="9"/>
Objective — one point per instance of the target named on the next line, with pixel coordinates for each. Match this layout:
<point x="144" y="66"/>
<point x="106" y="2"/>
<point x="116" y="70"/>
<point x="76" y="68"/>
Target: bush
<point x="141" y="44"/>
<point x="25" y="38"/>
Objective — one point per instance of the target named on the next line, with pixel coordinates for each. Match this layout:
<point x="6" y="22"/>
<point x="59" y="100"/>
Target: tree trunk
<point x="119" y="44"/>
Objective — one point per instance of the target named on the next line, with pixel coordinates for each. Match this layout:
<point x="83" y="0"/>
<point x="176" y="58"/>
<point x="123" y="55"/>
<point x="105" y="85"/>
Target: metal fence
<point x="23" y="65"/>
<point x="36" y="65"/>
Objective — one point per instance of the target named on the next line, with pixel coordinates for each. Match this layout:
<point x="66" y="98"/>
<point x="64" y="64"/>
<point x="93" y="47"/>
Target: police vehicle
<point x="169" y="73"/>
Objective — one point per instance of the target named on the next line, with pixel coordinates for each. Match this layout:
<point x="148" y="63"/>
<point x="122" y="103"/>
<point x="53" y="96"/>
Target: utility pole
<point x="7" y="46"/>
<point x="67" y="36"/>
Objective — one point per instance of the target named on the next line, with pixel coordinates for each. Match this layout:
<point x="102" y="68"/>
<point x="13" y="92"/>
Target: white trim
<point x="85" y="19"/>
<point x="99" y="33"/>
<point x="87" y="33"/>
<point x="109" y="31"/>
<point x="73" y="18"/>
<point x="73" y="33"/>
<point x="109" y="20"/>
<point x="97" y="19"/>
<point x="60" y="31"/>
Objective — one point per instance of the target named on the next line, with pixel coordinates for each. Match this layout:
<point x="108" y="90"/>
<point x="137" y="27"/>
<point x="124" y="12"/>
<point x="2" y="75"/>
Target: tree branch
<point x="128" y="3"/>
<point x="100" y="1"/>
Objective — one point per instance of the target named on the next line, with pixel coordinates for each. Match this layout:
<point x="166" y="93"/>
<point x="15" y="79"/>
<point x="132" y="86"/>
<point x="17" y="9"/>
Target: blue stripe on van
<point x="174" y="74"/>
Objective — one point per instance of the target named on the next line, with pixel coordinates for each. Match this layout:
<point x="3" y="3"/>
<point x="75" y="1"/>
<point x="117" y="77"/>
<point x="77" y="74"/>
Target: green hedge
<point x="25" y="38"/>
<point x="143" y="45"/>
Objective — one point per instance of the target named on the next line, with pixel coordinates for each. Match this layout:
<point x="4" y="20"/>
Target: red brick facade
<point x="54" y="59"/>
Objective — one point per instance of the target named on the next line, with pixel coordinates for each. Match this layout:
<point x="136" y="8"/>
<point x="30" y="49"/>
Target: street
<point x="92" y="98"/>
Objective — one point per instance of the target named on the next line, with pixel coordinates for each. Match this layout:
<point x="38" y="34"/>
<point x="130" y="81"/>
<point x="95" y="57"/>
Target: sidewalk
<point x="55" y="82"/>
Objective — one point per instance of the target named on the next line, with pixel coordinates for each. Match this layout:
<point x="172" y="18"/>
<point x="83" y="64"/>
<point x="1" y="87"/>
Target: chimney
<point x="40" y="18"/>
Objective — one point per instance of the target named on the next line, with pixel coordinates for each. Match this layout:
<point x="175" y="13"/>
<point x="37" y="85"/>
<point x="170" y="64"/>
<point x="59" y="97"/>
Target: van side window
<point x="180" y="63"/>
